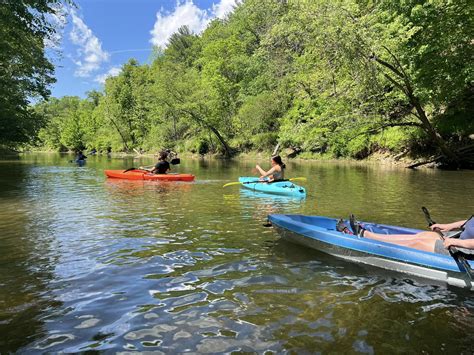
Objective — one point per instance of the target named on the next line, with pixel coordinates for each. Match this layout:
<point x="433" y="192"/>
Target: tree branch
<point x="393" y="124"/>
<point x="388" y="65"/>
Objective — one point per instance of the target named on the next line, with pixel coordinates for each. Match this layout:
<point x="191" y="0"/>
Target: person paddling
<point x="277" y="171"/>
<point x="428" y="241"/>
<point x="162" y="167"/>
<point x="81" y="156"/>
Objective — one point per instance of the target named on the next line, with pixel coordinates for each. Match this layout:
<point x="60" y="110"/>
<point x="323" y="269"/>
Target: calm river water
<point x="89" y="263"/>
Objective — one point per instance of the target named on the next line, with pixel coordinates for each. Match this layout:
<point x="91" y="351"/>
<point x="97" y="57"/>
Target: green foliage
<point x="265" y="141"/>
<point x="331" y="78"/>
<point x="25" y="71"/>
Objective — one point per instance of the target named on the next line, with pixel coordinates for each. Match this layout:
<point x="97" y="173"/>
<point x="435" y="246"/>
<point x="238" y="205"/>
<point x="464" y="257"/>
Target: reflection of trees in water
<point x="260" y="204"/>
<point x="26" y="258"/>
<point x="123" y="187"/>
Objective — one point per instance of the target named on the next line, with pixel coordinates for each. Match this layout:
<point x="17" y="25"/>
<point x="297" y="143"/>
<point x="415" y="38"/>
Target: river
<point x="89" y="263"/>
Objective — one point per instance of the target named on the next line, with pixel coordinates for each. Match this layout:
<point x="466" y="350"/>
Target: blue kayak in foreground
<point x="283" y="188"/>
<point x="320" y="233"/>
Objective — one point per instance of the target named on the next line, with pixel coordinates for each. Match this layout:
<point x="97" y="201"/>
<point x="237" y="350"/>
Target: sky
<point x="97" y="37"/>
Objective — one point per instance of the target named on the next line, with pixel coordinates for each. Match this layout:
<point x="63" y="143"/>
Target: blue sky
<point x="99" y="36"/>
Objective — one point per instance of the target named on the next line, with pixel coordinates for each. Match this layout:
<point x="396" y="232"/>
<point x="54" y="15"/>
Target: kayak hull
<point x="282" y="188"/>
<point x="138" y="174"/>
<point x="319" y="233"/>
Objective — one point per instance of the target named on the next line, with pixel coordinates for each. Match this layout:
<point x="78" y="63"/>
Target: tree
<point x="25" y="70"/>
<point x="125" y="104"/>
<point x="181" y="90"/>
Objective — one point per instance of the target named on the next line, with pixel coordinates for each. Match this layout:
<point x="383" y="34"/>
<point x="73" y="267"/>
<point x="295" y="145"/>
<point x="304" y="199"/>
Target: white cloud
<point x="90" y="54"/>
<point x="187" y="13"/>
<point x="224" y="7"/>
<point x="114" y="71"/>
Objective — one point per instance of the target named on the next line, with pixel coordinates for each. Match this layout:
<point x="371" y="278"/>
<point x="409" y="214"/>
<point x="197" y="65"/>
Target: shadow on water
<point x="373" y="297"/>
<point x="27" y="258"/>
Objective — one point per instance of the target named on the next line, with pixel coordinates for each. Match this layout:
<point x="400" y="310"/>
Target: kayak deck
<point x="283" y="188"/>
<point x="138" y="174"/>
<point x="319" y="233"/>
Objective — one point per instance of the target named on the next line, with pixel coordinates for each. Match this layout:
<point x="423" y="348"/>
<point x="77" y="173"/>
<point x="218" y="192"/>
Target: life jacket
<point x="468" y="229"/>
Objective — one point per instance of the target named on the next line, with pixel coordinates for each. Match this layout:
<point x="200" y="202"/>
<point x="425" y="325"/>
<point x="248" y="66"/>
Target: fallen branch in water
<point x="413" y="166"/>
<point x="465" y="154"/>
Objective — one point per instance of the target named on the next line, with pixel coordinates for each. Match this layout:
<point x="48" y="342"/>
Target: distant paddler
<point x="80" y="156"/>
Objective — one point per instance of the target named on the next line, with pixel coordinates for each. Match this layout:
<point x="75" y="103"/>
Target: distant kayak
<point x="320" y="233"/>
<point x="283" y="188"/>
<point x="137" y="174"/>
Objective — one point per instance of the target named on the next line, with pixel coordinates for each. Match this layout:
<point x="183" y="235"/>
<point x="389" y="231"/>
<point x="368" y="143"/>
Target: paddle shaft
<point x="174" y="161"/>
<point x="266" y="181"/>
<point x="453" y="251"/>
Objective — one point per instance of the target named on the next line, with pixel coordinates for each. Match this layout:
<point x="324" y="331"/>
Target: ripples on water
<point x="95" y="264"/>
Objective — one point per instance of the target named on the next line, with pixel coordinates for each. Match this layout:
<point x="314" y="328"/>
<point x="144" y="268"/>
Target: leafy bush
<point x="265" y="141"/>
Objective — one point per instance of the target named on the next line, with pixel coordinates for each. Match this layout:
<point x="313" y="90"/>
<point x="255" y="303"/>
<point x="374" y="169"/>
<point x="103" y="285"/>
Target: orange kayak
<point x="138" y="174"/>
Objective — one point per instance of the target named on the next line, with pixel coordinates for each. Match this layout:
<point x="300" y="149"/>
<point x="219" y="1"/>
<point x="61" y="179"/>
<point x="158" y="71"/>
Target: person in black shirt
<point x="80" y="156"/>
<point x="162" y="167"/>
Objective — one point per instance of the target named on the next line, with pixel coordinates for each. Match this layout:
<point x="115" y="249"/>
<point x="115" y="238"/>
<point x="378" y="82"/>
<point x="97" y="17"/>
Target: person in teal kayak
<point x="428" y="241"/>
<point x="277" y="171"/>
<point x="162" y="167"/>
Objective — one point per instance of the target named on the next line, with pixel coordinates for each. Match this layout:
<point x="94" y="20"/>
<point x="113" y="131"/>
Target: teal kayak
<point x="283" y="188"/>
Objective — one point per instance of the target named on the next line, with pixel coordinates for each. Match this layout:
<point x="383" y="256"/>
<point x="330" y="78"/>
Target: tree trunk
<point x="121" y="135"/>
<point x="433" y="134"/>
<point x="227" y="150"/>
<point x="405" y="86"/>
<point x="202" y="122"/>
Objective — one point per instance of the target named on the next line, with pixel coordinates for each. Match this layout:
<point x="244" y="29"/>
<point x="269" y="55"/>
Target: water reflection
<point x="27" y="258"/>
<point x="90" y="263"/>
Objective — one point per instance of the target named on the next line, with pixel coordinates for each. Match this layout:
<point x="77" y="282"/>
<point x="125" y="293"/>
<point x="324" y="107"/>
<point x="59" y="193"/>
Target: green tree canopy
<point x="25" y="70"/>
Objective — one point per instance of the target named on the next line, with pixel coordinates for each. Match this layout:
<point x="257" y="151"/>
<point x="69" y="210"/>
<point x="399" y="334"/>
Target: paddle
<point x="174" y="161"/>
<point x="129" y="169"/>
<point x="452" y="250"/>
<point x="262" y="181"/>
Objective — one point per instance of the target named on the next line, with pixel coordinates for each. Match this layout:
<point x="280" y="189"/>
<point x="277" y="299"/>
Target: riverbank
<point x="379" y="158"/>
<point x="7" y="151"/>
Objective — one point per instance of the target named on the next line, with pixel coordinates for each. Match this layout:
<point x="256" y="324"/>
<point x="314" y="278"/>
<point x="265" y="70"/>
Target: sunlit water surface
<point x="89" y="263"/>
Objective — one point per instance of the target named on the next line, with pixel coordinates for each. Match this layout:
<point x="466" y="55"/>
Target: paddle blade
<point x="427" y="216"/>
<point x="175" y="161"/>
<point x="232" y="183"/>
<point x="129" y="169"/>
<point x="298" y="179"/>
